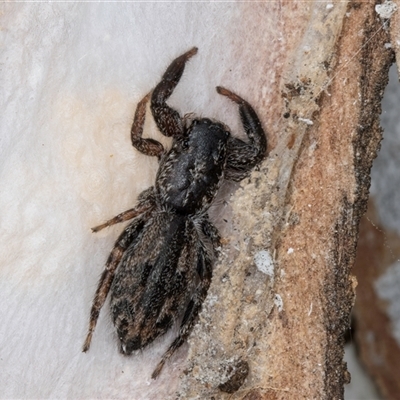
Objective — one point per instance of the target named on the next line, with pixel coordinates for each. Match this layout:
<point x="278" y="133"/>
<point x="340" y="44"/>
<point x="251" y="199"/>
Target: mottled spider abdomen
<point x="153" y="281"/>
<point x="160" y="268"/>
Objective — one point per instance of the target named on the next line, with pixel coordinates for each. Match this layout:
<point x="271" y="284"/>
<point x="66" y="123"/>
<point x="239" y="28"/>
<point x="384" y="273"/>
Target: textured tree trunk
<point x="282" y="296"/>
<point x="376" y="312"/>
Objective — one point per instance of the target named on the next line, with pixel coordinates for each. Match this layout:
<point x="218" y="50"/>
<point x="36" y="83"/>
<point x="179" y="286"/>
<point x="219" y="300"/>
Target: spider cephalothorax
<point x="160" y="268"/>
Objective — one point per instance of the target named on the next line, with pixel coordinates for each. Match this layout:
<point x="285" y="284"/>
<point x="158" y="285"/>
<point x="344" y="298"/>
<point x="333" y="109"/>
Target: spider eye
<point x="185" y="144"/>
<point x="221" y="155"/>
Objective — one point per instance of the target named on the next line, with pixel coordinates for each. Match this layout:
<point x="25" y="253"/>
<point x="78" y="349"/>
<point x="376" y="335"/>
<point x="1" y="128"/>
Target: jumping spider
<point x="161" y="265"/>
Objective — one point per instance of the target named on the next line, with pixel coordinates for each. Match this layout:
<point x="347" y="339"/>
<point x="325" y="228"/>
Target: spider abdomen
<point x="154" y="281"/>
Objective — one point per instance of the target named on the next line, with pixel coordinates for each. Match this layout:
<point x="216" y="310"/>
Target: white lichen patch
<point x="386" y="9"/>
<point x="264" y="262"/>
<point x="306" y="121"/>
<point x="278" y="302"/>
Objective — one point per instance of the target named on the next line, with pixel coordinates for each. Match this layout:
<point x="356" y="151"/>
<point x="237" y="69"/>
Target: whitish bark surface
<point x="314" y="72"/>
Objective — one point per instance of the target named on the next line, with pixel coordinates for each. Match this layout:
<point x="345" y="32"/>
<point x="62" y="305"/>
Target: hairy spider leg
<point x="146" y="203"/>
<point x="167" y="119"/>
<point x="148" y="146"/>
<point x="124" y="216"/>
<point x="193" y="309"/>
<point x="243" y="157"/>
<point x="122" y="243"/>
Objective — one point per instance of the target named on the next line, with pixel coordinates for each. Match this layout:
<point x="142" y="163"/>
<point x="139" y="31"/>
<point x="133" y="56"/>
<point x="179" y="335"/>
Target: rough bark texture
<point x="304" y="208"/>
<point x="376" y="310"/>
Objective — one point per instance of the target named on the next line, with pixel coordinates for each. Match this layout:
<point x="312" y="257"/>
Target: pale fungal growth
<point x="278" y="302"/>
<point x="306" y="121"/>
<point x="386" y="9"/>
<point x="264" y="262"/>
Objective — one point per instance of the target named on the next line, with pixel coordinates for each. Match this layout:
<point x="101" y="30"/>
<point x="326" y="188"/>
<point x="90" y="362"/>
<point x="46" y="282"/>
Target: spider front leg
<point x="148" y="146"/>
<point x="243" y="157"/>
<point x="167" y="119"/>
<point x="122" y="243"/>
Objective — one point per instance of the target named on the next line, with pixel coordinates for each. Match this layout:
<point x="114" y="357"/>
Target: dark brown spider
<point x="161" y="265"/>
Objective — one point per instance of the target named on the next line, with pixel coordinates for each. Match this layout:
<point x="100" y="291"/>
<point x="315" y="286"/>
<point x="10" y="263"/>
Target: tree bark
<point x="303" y="209"/>
<point x="376" y="315"/>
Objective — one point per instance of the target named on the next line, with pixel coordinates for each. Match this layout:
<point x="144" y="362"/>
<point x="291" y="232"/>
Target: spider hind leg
<point x="192" y="310"/>
<point x="106" y="279"/>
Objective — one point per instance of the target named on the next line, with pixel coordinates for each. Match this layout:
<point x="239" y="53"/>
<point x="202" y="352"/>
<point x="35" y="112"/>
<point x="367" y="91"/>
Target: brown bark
<point x="377" y="254"/>
<point x="304" y="208"/>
